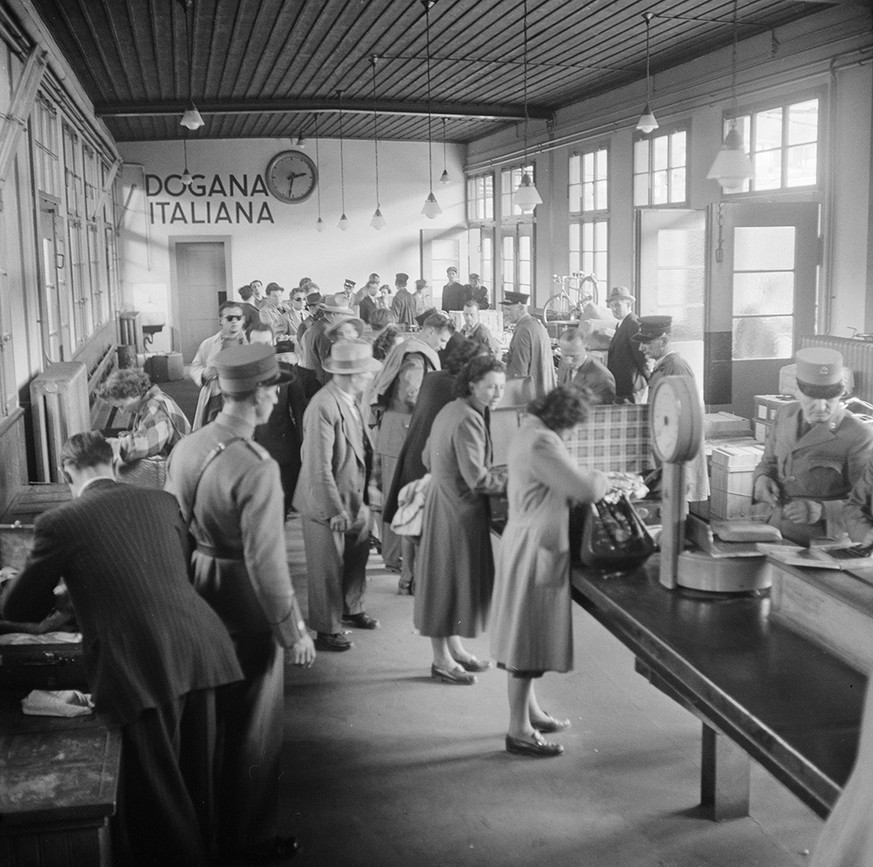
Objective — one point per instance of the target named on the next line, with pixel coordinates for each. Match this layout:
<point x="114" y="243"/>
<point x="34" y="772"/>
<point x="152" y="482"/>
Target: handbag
<point x="407" y="519"/>
<point x="614" y="536"/>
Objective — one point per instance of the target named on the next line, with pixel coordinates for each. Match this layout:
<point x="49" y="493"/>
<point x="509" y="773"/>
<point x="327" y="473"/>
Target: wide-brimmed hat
<point x="358" y="323"/>
<point x="819" y="372"/>
<point x="620" y="293"/>
<point x="314" y="299"/>
<point x="337" y="304"/>
<point x="351" y="356"/>
<point x="652" y="327"/>
<point x="515" y="298"/>
<point x="242" y="368"/>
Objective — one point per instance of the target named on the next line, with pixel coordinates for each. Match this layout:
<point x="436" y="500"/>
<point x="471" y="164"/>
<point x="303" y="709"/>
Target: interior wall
<point x="271" y="240"/>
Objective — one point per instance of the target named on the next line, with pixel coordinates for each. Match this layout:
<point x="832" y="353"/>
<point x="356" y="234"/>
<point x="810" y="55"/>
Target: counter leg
<point x="724" y="777"/>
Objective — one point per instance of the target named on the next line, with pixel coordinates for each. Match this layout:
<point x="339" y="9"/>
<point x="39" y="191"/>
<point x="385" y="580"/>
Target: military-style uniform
<point x="820" y="464"/>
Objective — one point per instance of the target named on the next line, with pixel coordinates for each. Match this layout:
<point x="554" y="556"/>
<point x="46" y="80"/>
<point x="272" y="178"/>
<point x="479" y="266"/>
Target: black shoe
<point x="271" y="852"/>
<point x="362" y="620"/>
<point x="335" y="641"/>
<point x="538" y="747"/>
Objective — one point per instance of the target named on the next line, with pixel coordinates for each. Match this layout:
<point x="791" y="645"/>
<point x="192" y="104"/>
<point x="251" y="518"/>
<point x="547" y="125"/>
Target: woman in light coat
<point x="454" y="568"/>
<point x="532" y="628"/>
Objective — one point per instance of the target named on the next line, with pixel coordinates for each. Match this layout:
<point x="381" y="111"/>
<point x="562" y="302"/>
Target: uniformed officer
<point x="814" y="453"/>
<point x="230" y="493"/>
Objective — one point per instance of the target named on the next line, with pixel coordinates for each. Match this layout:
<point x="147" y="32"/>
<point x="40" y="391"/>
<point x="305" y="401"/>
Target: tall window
<point x="589" y="213"/>
<point x="783" y="145"/>
<point x="660" y="168"/>
<point x="516" y="235"/>
<point x="480" y="222"/>
<point x="46" y="148"/>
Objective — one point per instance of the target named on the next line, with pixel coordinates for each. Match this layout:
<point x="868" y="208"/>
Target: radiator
<point x="59" y="402"/>
<point x="857" y="356"/>
<point x="130" y="329"/>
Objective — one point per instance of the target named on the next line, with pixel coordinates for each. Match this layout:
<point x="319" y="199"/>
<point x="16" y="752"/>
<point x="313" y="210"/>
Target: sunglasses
<point x="299" y="298"/>
<point x="233" y="318"/>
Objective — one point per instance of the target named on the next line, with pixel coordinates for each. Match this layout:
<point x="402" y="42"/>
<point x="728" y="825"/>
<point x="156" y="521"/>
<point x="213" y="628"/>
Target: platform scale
<point x="676" y="422"/>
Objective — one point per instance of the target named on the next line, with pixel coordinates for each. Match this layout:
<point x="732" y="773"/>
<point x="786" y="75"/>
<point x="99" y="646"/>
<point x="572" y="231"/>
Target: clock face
<point x="291" y="177"/>
<point x="676" y="419"/>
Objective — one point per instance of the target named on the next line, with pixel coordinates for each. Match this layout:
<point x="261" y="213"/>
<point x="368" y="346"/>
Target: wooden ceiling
<point x="276" y="68"/>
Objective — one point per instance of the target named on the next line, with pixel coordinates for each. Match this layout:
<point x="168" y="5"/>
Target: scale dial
<point x="291" y="177"/>
<point x="676" y="420"/>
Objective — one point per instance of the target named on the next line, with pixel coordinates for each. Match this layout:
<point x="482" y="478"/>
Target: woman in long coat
<point x="532" y="628"/>
<point x="455" y="569"/>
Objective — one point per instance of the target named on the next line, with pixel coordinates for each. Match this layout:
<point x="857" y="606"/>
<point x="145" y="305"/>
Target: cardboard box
<point x="766" y="405"/>
<point x="760" y="428"/>
<point x="725" y="504"/>
<point x="737" y="457"/>
<point x="166" y="367"/>
<point x="719" y="424"/>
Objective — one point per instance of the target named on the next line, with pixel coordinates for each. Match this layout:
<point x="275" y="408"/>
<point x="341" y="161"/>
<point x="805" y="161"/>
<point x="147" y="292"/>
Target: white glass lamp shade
<point x="431" y="207"/>
<point x="527" y="196"/>
<point x="732" y="166"/>
<point x="343" y="223"/>
<point x="377" y="221"/>
<point x="647" y="122"/>
<point x="444" y="177"/>
<point x="191" y="118"/>
<point x="187" y="179"/>
<point x="319" y="225"/>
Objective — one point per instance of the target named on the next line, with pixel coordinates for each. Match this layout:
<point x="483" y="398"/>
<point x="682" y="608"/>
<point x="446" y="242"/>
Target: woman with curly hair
<point x="454" y="568"/>
<point x="157" y="424"/>
<point x="532" y="628"/>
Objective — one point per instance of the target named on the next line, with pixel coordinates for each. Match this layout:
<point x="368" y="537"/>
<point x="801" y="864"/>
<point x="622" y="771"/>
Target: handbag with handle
<point x="614" y="536"/>
<point x="410" y="507"/>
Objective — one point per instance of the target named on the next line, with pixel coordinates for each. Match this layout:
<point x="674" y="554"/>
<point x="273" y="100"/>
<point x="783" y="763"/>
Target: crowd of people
<point x="365" y="416"/>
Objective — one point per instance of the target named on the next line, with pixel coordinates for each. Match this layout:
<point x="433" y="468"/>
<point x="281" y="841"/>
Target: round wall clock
<point x="291" y="177"/>
<point x="676" y="419"/>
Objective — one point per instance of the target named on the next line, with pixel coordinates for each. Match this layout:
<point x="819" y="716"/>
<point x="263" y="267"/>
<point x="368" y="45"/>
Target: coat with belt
<point x="147" y="637"/>
<point x="236" y="515"/>
<point x="821" y="465"/>
<point x="334" y="475"/>
<point x="531" y="628"/>
<point x="626" y="361"/>
<point x="530" y="354"/>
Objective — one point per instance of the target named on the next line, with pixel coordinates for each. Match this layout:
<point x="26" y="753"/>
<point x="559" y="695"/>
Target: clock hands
<point x="293" y="177"/>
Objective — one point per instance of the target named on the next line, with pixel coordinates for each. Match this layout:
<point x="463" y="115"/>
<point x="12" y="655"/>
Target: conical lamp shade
<point x="378" y="221"/>
<point x="647" y="122"/>
<point x="343" y="222"/>
<point x="732" y="166"/>
<point x="527" y="196"/>
<point x="444" y="177"/>
<point x="431" y="207"/>
<point x="319" y="225"/>
<point x="187" y="180"/>
<point x="191" y="118"/>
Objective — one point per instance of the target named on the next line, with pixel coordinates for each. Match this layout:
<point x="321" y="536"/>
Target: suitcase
<point x="35" y="666"/>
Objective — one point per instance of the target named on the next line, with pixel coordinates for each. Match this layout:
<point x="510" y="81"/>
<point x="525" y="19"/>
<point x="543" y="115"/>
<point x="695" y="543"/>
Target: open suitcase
<point x="35" y="666"/>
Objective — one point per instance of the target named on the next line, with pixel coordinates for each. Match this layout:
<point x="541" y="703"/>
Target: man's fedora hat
<point x="337" y="304"/>
<point x="620" y="293"/>
<point x="243" y="368"/>
<point x="351" y="356"/>
<point x="515" y="298"/>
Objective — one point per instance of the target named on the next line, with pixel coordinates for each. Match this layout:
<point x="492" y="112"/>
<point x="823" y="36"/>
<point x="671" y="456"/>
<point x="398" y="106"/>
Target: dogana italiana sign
<point x="230" y="199"/>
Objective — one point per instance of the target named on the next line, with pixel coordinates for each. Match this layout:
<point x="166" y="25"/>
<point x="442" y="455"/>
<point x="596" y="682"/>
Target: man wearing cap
<point x="332" y="496"/>
<point x="474" y="329"/>
<point x="230" y="494"/>
<point x="475" y="291"/>
<point x="315" y="344"/>
<point x="453" y="291"/>
<point x="625" y="359"/>
<point x="653" y="339"/>
<point x="403" y="305"/>
<point x="530" y="350"/>
<point x="815" y="452"/>
<point x="421" y="296"/>
<point x="579" y="370"/>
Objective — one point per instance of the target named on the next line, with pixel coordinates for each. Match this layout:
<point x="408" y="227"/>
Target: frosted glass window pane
<point x="680" y="287"/>
<point x="677" y="192"/>
<point x="768" y="129"/>
<point x="801" y="164"/>
<point x="587" y="262"/>
<point x="588" y="167"/>
<point x="601" y="163"/>
<point x="587" y="236"/>
<point x="803" y="122"/>
<point x="575" y="161"/>
<point x="641" y="156"/>
<point x="659" y="188"/>
<point x="768" y="170"/>
<point x="601" y="201"/>
<point x="587" y="197"/>
<point x="659" y="153"/>
<point x="600" y="235"/>
<point x="641" y="189"/>
<point x="765" y="337"/>
<point x="680" y="248"/>
<point x="764" y="248"/>
<point x="600" y="266"/>
<point x="678" y="148"/>
<point x="574" y="238"/>
<point x="764" y="293"/>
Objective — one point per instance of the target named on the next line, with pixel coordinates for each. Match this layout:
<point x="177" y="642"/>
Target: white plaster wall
<point x="283" y="245"/>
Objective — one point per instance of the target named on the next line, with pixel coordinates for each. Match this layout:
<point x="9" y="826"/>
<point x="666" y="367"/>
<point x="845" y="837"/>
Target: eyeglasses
<point x="234" y="318"/>
<point x="299" y="298"/>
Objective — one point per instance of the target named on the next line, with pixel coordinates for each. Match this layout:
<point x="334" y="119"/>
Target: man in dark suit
<point x="625" y="360"/>
<point x="154" y="651"/>
<point x="453" y="291"/>
<point x="579" y="370"/>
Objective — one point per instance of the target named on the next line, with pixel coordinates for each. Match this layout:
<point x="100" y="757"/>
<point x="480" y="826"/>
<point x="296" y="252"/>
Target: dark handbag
<point x="614" y="536"/>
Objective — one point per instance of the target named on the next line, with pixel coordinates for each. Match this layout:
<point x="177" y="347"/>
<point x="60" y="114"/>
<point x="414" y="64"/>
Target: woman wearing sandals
<point x="454" y="568"/>
<point x="532" y="628"/>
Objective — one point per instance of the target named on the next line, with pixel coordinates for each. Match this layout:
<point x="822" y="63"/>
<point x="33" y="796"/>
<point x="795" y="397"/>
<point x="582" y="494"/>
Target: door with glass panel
<point x="764" y="282"/>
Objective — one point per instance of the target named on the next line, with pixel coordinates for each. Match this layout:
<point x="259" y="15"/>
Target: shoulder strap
<point x="210" y="457"/>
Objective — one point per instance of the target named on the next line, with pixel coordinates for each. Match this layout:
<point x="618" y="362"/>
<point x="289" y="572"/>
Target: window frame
<point x="595" y="217"/>
<point x="650" y="139"/>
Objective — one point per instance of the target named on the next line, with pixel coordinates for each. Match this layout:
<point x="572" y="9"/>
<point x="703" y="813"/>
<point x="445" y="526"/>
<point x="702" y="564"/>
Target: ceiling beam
<point x="398" y="108"/>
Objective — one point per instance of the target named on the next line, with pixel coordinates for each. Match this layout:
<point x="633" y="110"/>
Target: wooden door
<point x="201" y="286"/>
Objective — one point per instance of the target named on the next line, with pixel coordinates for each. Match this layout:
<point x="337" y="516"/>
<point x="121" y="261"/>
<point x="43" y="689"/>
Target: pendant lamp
<point x="527" y="196"/>
<point x="647" y="122"/>
<point x="343" y="223"/>
<point x="377" y="221"/>
<point x="187" y="179"/>
<point x="431" y="207"/>
<point x="191" y="118"/>
<point x="444" y="177"/>
<point x="319" y="223"/>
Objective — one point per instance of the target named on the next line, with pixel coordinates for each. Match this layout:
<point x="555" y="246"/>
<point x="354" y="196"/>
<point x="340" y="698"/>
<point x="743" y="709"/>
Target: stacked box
<point x="760" y="429"/>
<point x="722" y="424"/>
<point x="165" y="367"/>
<point x="767" y="405"/>
<point x="732" y="480"/>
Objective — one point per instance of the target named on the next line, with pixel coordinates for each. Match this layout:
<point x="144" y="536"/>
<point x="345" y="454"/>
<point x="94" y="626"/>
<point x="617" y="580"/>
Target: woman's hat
<point x="242" y="368"/>
<point x="337" y="304"/>
<point x="351" y="356"/>
<point x="620" y="293"/>
<point x="332" y="328"/>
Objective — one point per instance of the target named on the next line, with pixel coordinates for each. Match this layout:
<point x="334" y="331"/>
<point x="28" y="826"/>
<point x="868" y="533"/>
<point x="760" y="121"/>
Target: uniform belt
<point x="219" y="553"/>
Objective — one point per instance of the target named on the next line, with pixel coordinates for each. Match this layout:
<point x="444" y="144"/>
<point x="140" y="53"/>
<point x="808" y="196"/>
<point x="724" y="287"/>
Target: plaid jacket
<point x="155" y="428"/>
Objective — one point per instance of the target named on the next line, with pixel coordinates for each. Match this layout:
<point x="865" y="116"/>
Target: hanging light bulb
<point x="377" y="221"/>
<point x="343" y="220"/>
<point x="301" y="141"/>
<point x="191" y="118"/>
<point x="444" y="177"/>
<point x="732" y="166"/>
<point x="647" y="122"/>
<point x="527" y="196"/>
<point x="343" y="223"/>
<point x="187" y="179"/>
<point x="431" y="207"/>
<point x="319" y="223"/>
